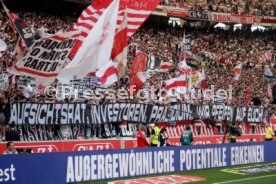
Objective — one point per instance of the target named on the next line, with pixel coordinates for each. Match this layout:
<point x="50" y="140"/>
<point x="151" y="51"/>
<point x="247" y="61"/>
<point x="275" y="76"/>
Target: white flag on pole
<point x="96" y="49"/>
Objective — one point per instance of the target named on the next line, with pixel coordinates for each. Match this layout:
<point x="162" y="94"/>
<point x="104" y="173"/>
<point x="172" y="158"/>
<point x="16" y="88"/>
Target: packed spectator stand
<point x="221" y="49"/>
<point x="249" y="7"/>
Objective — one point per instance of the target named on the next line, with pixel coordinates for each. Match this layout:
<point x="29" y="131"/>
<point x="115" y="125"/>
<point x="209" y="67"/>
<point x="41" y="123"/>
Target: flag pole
<point x="182" y="47"/>
<point x="7" y="12"/>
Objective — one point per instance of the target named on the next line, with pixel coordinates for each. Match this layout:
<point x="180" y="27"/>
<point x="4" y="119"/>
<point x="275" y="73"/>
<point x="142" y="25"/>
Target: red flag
<point x="137" y="80"/>
<point x="248" y="95"/>
<point x="203" y="84"/>
<point x="139" y="63"/>
<point x="138" y="66"/>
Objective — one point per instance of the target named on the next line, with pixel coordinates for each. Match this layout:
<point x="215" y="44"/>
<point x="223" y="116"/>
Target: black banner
<point x="199" y="15"/>
<point x="80" y="113"/>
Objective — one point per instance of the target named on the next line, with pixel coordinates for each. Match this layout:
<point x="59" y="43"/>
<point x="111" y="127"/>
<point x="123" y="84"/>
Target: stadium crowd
<point x="249" y="7"/>
<point x="221" y="51"/>
<point x="228" y="48"/>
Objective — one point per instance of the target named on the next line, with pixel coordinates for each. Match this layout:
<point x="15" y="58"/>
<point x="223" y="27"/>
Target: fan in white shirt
<point x="174" y="97"/>
<point x="27" y="90"/>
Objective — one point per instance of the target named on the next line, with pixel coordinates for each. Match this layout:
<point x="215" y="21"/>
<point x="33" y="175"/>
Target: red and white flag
<point x="142" y="77"/>
<point x="96" y="48"/>
<point x="90" y="17"/>
<point x="107" y="74"/>
<point x="185" y="69"/>
<point x="179" y="82"/>
<point x="119" y="51"/>
<point x="137" y="12"/>
<point x="131" y="16"/>
<point x="138" y="80"/>
<point x="237" y="71"/>
<point x="165" y="66"/>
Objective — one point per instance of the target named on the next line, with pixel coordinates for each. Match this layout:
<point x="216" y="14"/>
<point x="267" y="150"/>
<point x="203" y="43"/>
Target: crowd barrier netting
<point x="73" y="167"/>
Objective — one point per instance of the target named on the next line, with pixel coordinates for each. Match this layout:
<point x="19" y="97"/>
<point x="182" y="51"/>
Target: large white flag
<point x="96" y="49"/>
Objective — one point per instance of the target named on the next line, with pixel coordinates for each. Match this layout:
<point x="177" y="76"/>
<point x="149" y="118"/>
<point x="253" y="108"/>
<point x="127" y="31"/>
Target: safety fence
<point x="111" y="144"/>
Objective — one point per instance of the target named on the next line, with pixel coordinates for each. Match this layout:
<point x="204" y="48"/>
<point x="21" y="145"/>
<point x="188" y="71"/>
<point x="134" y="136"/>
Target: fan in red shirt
<point x="142" y="141"/>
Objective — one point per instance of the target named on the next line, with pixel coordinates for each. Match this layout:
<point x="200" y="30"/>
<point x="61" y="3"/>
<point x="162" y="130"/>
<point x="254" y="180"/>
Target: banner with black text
<point x="47" y="56"/>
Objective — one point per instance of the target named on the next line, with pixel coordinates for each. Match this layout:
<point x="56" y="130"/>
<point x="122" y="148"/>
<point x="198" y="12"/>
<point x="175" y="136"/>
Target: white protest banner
<point x="64" y="91"/>
<point x="47" y="56"/>
<point x="22" y="78"/>
<point x="87" y="83"/>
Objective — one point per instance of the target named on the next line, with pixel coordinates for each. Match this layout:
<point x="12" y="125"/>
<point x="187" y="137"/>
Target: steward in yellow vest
<point x="268" y="133"/>
<point x="155" y="136"/>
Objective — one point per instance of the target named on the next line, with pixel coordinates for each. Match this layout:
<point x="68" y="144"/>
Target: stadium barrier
<point x="111" y="144"/>
<point x="72" y="167"/>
